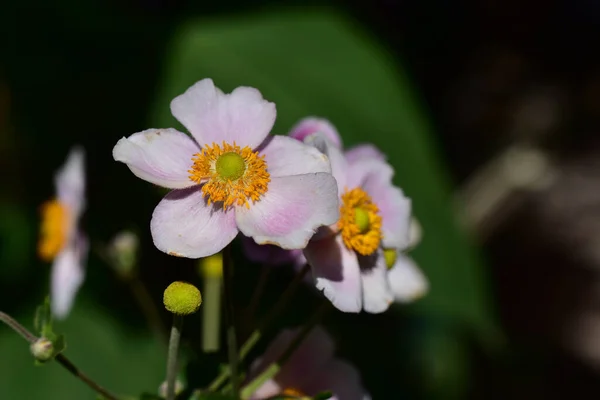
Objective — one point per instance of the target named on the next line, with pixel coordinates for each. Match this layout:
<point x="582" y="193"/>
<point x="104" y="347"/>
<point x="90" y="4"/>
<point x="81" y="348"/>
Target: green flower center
<point x="390" y="256"/>
<point x="361" y="218"/>
<point x="182" y="298"/>
<point x="230" y="166"/>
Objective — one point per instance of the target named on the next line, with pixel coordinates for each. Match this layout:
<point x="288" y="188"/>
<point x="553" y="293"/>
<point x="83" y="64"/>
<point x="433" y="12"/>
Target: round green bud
<point x="390" y="256"/>
<point x="182" y="298"/>
<point x="361" y="218"/>
<point x="230" y="166"/>
<point x="42" y="349"/>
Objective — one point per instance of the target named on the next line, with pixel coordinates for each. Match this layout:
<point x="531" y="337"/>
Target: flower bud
<point x="182" y="298"/>
<point x="162" y="390"/>
<point x="123" y="250"/>
<point x="42" y="349"/>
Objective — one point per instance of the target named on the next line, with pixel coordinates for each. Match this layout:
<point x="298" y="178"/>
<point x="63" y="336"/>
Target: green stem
<point x="275" y="367"/>
<point x="172" y="356"/>
<point x="60" y="358"/>
<point x="211" y="314"/>
<point x="262" y="326"/>
<point x="232" y="349"/>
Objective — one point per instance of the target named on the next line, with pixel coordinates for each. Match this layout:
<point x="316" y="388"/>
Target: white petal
<point x="377" y="295"/>
<point x="243" y="116"/>
<point x="291" y="210"/>
<point x="336" y="272"/>
<point x="285" y="156"/>
<point x="159" y="156"/>
<point x="339" y="377"/>
<point x="70" y="181"/>
<point x="183" y="225"/>
<point x="339" y="166"/>
<point x="406" y="280"/>
<point x="67" y="276"/>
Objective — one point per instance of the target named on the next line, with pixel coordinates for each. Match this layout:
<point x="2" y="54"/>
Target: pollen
<point x="360" y="222"/>
<point x="292" y="393"/>
<point x="230" y="174"/>
<point x="53" y="230"/>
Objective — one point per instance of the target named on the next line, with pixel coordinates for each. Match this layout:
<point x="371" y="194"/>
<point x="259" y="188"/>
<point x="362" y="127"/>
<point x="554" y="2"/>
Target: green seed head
<point x="230" y="166"/>
<point x="361" y="218"/>
<point x="182" y="298"/>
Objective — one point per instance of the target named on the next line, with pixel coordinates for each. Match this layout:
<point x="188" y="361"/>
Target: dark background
<point x="513" y="309"/>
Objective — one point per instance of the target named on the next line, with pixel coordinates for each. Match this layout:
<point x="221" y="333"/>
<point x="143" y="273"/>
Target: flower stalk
<point x="172" y="355"/>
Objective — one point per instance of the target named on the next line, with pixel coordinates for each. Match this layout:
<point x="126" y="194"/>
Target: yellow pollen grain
<point x="249" y="184"/>
<point x="53" y="229"/>
<point x="363" y="239"/>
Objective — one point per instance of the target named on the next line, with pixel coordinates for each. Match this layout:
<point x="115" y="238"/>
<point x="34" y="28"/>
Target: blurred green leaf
<point x="323" y="396"/>
<point x="42" y="321"/>
<point x="321" y="63"/>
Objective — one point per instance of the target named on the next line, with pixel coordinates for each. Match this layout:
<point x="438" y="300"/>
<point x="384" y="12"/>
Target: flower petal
<point x="285" y="156"/>
<point x="339" y="166"/>
<point x="70" y="181"/>
<point x="67" y="276"/>
<point x="291" y="210"/>
<point x="364" y="152"/>
<point x="270" y="254"/>
<point x="406" y="280"/>
<point x="336" y="272"/>
<point x="340" y="378"/>
<point x="159" y="156"/>
<point x="242" y="116"/>
<point x="310" y="125"/>
<point x="183" y="225"/>
<point x="315" y="351"/>
<point x="395" y="211"/>
<point x="359" y="171"/>
<point x="377" y="295"/>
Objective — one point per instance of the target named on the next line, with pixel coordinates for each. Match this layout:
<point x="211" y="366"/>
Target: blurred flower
<point x="122" y="251"/>
<point x="311" y="370"/>
<point x="272" y="255"/>
<point x="347" y="259"/>
<point x="271" y="188"/>
<point x="60" y="239"/>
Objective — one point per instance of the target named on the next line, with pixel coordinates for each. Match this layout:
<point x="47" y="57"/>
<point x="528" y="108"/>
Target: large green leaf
<point x="319" y="63"/>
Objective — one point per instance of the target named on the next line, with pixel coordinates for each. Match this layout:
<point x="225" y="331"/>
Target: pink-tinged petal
<point x="363" y="152"/>
<point x="340" y="378"/>
<point x="311" y="355"/>
<point x="377" y="295"/>
<point x="268" y="389"/>
<point x="336" y="272"/>
<point x="395" y="210"/>
<point x="70" y="182"/>
<point x="160" y="156"/>
<point x="269" y="254"/>
<point x="415" y="233"/>
<point x="291" y="210"/>
<point x="242" y="116"/>
<point x="68" y="273"/>
<point x="310" y="125"/>
<point x="362" y="170"/>
<point x="406" y="280"/>
<point x="285" y="156"/>
<point x="339" y="165"/>
<point x="184" y="225"/>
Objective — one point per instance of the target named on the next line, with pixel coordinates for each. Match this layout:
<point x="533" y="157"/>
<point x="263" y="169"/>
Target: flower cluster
<point x="300" y="199"/>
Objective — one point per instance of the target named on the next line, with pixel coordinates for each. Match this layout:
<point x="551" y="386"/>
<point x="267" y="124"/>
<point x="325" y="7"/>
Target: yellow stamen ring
<point x="230" y="174"/>
<point x="360" y="223"/>
<point x="53" y="229"/>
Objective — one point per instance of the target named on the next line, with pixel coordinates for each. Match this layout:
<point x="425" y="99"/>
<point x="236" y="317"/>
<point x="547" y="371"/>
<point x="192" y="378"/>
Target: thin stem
<point x="211" y="314"/>
<point x="60" y="358"/>
<point x="142" y="296"/>
<point x="263" y="325"/>
<point x="172" y="356"/>
<point x="257" y="294"/>
<point x="230" y="319"/>
<point x="275" y="367"/>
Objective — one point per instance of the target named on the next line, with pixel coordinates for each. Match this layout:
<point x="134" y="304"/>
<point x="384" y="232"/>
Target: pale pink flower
<point x="347" y="259"/>
<point x="231" y="177"/>
<point x="61" y="240"/>
<point x="311" y="370"/>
